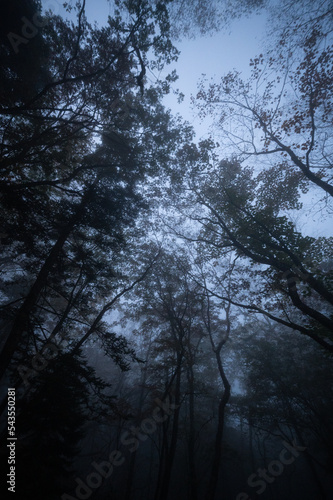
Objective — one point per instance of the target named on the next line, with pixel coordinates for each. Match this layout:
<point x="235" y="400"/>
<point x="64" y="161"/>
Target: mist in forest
<point x="166" y="252"/>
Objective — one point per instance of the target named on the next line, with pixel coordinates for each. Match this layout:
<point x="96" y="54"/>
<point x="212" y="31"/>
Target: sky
<point x="214" y="56"/>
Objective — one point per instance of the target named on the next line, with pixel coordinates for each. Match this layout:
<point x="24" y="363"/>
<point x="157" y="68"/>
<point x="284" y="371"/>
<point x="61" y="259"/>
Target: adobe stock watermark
<point x="262" y="477"/>
<point x="130" y="439"/>
<point x="30" y="27"/>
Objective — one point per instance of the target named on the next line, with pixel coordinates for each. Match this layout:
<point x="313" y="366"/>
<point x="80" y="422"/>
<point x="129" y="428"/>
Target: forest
<point x="166" y="303"/>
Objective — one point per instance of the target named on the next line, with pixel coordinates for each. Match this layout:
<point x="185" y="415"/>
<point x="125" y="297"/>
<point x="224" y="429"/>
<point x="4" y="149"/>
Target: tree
<point x="168" y="315"/>
<point x="218" y="336"/>
<point x="247" y="212"/>
<point x="275" y="263"/>
<point x="169" y="300"/>
<point x="292" y="22"/>
<point x="50" y="424"/>
<point x="77" y="193"/>
<point x="281" y="117"/>
<point x="186" y="335"/>
<point x="279" y="405"/>
<point x="204" y="17"/>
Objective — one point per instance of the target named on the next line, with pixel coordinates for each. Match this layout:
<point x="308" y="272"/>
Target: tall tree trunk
<point x="191" y="442"/>
<point x="170" y="451"/>
<point x="307" y="455"/>
<point x="252" y="456"/>
<point x="131" y="472"/>
<point x="163" y="454"/>
<point x="212" y="485"/>
<point x="130" y="478"/>
<point x="220" y="427"/>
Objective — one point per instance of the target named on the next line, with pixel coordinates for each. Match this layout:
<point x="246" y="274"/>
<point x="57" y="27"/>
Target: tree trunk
<point x="170" y="451"/>
<point x="191" y="442"/>
<point x="210" y="495"/>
